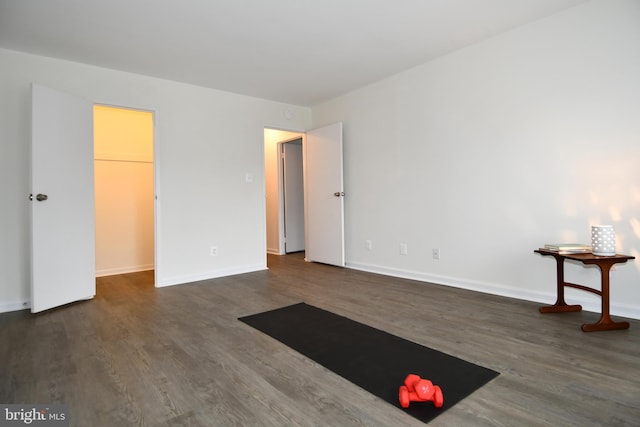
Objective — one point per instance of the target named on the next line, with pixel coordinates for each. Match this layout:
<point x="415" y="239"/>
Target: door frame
<point x="278" y="201"/>
<point x="156" y="179"/>
<point x="281" y="193"/>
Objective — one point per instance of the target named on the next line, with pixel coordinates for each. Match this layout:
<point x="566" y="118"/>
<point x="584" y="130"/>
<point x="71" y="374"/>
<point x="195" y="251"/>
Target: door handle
<point x="339" y="194"/>
<point x="39" y="197"/>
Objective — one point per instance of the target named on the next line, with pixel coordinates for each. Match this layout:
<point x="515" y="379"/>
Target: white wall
<point x="486" y="154"/>
<point x="124" y="216"/>
<point x="208" y="141"/>
<point x="492" y="151"/>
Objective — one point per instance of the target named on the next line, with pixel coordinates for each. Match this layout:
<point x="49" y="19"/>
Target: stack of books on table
<point x="568" y="248"/>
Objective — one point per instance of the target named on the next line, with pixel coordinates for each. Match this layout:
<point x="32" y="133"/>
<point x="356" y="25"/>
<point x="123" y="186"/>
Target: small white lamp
<point x="603" y="240"/>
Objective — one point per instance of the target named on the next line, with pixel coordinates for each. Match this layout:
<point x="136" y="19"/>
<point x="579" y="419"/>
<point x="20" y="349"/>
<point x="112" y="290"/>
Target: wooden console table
<point x="604" y="263"/>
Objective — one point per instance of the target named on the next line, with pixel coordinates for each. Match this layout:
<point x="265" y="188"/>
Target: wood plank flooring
<point x="177" y="356"/>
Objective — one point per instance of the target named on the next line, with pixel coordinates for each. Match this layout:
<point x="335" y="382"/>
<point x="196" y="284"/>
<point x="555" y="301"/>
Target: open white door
<point x="324" y="195"/>
<point x="62" y="212"/>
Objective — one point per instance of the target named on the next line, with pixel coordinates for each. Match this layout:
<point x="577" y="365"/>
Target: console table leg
<point x="605" y="323"/>
<point x="560" y="306"/>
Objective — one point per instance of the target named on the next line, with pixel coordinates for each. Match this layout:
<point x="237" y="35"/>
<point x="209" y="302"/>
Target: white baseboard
<point x="214" y="274"/>
<point x="123" y="270"/>
<point x="617" y="309"/>
<point x="593" y="304"/>
<point x="15" y="306"/>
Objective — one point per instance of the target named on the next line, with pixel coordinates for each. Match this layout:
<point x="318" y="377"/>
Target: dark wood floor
<point x="137" y="355"/>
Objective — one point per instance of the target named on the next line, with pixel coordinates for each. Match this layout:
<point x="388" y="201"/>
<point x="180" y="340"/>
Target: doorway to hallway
<point x="277" y="219"/>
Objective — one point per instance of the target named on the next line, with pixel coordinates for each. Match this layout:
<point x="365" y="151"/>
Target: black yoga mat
<point x="373" y="359"/>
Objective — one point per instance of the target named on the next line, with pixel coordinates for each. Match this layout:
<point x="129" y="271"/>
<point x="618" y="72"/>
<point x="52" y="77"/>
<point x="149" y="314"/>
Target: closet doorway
<point x="124" y="190"/>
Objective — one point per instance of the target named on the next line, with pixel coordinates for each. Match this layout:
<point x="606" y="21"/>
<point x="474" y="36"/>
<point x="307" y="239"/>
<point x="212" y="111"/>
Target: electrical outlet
<point x="214" y="251"/>
<point x="403" y="249"/>
<point x="367" y="244"/>
<point x="436" y="253"/>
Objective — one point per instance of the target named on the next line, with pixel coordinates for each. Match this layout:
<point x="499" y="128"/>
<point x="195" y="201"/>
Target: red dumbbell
<point x="416" y="389"/>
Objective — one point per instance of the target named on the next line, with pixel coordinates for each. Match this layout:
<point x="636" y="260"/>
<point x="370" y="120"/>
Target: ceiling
<point x="301" y="52"/>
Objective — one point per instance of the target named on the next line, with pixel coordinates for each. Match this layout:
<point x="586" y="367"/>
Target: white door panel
<point x="63" y="230"/>
<point x="324" y="195"/>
